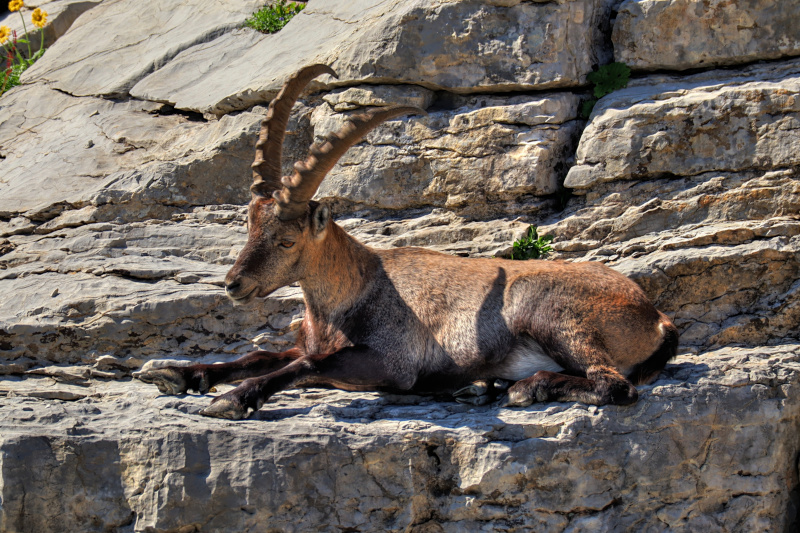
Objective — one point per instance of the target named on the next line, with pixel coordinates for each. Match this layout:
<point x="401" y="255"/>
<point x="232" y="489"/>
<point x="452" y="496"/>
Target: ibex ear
<point x="320" y="216"/>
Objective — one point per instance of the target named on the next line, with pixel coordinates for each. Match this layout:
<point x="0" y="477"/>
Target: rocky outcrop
<point x="714" y="121"/>
<point x="478" y="152"/>
<point x="711" y="445"/>
<point x="461" y="47"/>
<point x="121" y="53"/>
<point x="704" y="34"/>
<point x="124" y="167"/>
<point x="709" y="223"/>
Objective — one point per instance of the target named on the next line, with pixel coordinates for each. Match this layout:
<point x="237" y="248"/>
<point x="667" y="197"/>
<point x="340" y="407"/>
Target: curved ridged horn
<point x="300" y="187"/>
<point x="269" y="147"/>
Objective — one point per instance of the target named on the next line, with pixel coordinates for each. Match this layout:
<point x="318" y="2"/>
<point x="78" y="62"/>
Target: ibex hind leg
<point x="602" y="385"/>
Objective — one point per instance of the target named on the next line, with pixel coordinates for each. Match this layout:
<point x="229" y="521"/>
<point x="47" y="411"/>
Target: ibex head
<point x="285" y="228"/>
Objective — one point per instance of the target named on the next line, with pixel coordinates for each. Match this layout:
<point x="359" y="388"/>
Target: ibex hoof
<point x="516" y="398"/>
<point x="224" y="408"/>
<point x="167" y="380"/>
<point x="477" y="388"/>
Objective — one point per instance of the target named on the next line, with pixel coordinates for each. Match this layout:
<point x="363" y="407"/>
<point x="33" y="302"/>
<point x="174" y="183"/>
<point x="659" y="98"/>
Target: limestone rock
<point x="715" y="121"/>
<point x="460" y="46"/>
<point x="379" y="96"/>
<point x="125" y="457"/>
<point x="121" y="53"/>
<point x="704" y="33"/>
<point x="477" y="152"/>
<point x="62" y="152"/>
<point x="130" y="289"/>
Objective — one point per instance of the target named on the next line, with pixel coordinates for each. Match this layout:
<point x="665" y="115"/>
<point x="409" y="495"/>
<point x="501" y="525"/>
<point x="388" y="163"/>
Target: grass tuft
<point x="271" y="18"/>
<point x="532" y="246"/>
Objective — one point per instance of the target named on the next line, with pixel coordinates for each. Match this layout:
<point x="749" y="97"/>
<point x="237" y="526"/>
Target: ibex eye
<point x="287" y="244"/>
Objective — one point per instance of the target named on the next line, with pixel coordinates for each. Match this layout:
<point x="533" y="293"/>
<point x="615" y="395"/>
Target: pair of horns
<point x="292" y="193"/>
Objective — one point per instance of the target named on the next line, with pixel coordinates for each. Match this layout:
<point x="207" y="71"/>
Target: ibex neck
<point x="340" y="272"/>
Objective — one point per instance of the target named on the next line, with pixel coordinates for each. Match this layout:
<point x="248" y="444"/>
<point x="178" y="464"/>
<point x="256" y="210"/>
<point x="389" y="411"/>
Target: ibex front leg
<point x="347" y="369"/>
<point x="200" y="377"/>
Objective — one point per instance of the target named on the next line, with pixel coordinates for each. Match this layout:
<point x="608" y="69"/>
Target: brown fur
<point x="412" y="319"/>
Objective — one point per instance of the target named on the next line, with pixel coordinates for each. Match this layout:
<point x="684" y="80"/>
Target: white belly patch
<point x="524" y="360"/>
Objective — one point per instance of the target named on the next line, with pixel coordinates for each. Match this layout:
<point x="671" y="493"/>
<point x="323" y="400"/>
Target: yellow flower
<point x="5" y="33"/>
<point x="15" y="5"/>
<point x="39" y="18"/>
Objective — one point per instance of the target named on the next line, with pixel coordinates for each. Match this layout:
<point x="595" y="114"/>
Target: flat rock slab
<point x="704" y="34"/>
<point x="714" y="121"/>
<point x="711" y="445"/>
<point x="478" y="154"/>
<point x="121" y="53"/>
<point x="61" y="152"/>
<point x="459" y="46"/>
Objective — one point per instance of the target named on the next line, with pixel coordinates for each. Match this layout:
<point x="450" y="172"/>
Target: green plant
<point x="16" y="63"/>
<point x="532" y="246"/>
<point x="606" y="80"/>
<point x="271" y="18"/>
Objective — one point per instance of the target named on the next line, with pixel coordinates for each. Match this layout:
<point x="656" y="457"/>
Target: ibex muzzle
<point x="410" y="319"/>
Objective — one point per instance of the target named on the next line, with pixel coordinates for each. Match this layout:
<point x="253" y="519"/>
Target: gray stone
<point x="711" y="444"/>
<point x="122" y="53"/>
<point x="149" y="162"/>
<point x="717" y="121"/>
<point x="484" y="151"/>
<point x="689" y="34"/>
<point x="459" y="46"/>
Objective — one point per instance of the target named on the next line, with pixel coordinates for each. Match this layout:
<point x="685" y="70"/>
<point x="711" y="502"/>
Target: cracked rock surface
<point x="707" y="34"/>
<point x="710" y="445"/>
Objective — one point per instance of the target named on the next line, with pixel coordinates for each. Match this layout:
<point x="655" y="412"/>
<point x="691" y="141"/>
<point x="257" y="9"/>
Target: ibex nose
<point x="233" y="286"/>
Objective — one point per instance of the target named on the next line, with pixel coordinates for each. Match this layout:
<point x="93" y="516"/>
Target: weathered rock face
<point x="713" y="240"/>
<point x="711" y="445"/>
<point x="94" y="152"/>
<point x="477" y="151"/>
<point x="120" y="216"/>
<point x="458" y="46"/>
<point x="122" y="52"/>
<point x="715" y="121"/>
<point x="704" y="34"/>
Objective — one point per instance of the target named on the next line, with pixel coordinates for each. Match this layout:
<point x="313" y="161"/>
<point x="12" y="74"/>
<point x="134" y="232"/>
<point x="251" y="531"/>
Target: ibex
<point x="410" y="319"/>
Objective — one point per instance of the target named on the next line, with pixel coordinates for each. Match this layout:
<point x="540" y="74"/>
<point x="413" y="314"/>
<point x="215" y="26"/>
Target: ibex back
<point x="410" y="319"/>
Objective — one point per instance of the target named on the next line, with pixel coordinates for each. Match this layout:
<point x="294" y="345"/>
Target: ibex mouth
<point x="243" y="300"/>
<point x="239" y="294"/>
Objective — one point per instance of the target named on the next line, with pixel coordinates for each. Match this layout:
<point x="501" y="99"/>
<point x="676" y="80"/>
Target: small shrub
<point x="271" y="18"/>
<point x="606" y="80"/>
<point x="16" y="63"/>
<point x="532" y="246"/>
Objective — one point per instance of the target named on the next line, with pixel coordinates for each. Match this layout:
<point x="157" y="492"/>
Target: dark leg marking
<point x="352" y="368"/>
<point x="601" y="386"/>
<point x="201" y="377"/>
